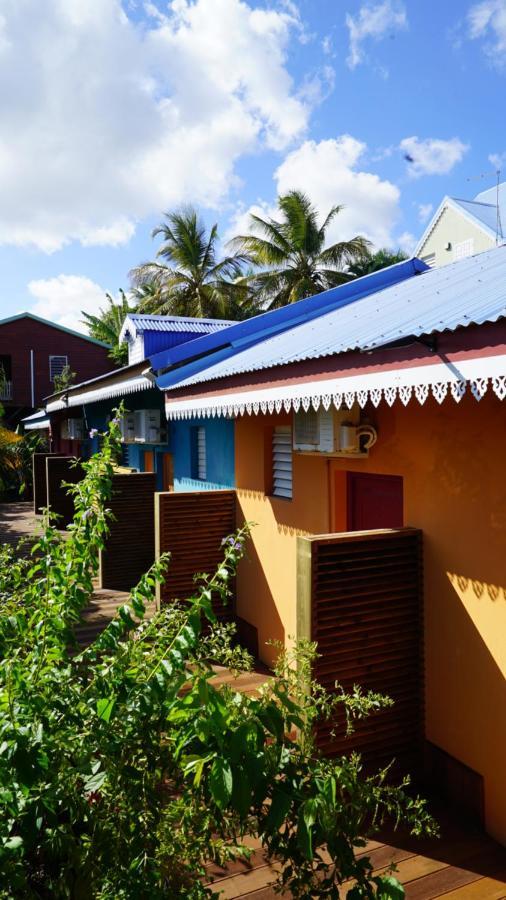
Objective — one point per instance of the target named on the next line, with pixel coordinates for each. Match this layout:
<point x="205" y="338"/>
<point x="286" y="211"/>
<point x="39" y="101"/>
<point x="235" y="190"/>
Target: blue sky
<point x="111" y="112"/>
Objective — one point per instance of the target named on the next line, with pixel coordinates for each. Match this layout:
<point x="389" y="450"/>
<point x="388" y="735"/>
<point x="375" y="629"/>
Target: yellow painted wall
<point x="453" y="228"/>
<point x="452" y="461"/>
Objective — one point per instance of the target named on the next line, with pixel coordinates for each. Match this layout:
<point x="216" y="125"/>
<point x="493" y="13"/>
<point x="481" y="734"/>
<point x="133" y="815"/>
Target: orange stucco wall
<point x="452" y="460"/>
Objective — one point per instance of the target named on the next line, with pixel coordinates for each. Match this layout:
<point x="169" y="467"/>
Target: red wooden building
<point x="33" y="351"/>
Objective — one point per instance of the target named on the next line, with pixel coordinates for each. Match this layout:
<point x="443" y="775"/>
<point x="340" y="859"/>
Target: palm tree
<point x="291" y="255"/>
<point x="187" y="278"/>
<point x="108" y="324"/>
<point x="373" y="262"/>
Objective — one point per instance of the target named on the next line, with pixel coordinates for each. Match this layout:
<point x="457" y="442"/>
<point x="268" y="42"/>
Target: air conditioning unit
<point x="127" y="426"/>
<point x="72" y="429"/>
<point x="334" y="432"/>
<point x="147" y="426"/>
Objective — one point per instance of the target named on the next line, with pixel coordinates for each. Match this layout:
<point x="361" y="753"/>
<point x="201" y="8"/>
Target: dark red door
<point x="374" y="501"/>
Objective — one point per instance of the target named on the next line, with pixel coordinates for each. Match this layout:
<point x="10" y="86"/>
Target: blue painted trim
<point x="212" y="348"/>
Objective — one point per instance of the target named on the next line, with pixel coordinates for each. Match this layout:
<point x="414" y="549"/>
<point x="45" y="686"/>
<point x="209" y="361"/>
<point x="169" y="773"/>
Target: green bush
<point x="123" y="770"/>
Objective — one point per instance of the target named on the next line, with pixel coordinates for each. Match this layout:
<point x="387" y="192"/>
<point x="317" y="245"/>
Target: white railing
<point x="6" y="390"/>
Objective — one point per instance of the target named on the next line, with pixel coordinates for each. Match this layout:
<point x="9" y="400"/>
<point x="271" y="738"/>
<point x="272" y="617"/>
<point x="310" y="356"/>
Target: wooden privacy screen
<point x="363" y="606"/>
<point x="39" y="480"/>
<point x="192" y="527"/>
<point x="61" y="470"/>
<point x="130" y="545"/>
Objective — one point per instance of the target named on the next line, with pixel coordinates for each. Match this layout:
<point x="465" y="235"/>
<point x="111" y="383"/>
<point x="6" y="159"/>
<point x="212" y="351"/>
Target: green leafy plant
<point x="64" y="380"/>
<point x="124" y="769"/>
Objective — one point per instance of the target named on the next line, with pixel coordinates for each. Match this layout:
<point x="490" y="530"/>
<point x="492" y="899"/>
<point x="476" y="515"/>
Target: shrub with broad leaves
<point x="124" y="770"/>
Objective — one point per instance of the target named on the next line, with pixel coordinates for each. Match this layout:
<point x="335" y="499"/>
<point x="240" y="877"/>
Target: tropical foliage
<point x="123" y="770"/>
<point x="373" y="262"/>
<point x="108" y="324"/>
<point x="16" y="453"/>
<point x="64" y="380"/>
<point x="291" y="254"/>
<point x="187" y="278"/>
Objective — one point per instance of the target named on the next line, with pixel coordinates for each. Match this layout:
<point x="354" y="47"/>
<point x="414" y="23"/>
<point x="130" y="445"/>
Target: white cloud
<point x="329" y="173"/>
<point x="62" y="299"/>
<point x="373" y="22"/>
<point x="487" y="20"/>
<point x="407" y="242"/>
<point x="105" y="120"/>
<point x="432" y="156"/>
<point x="498" y="160"/>
<point x="424" y="211"/>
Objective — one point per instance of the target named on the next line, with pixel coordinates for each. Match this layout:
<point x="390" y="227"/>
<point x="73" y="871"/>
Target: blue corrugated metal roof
<point x="197" y="355"/>
<point x="137" y="323"/>
<point x="472" y="290"/>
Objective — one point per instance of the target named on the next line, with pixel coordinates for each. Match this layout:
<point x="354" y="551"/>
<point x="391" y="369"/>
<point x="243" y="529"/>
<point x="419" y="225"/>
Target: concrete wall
<point x="453" y="227"/>
<point x="451" y="459"/>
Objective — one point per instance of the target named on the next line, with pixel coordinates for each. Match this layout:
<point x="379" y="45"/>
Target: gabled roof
<point x="482" y="211"/>
<point x="199" y="354"/>
<point x="472" y="290"/>
<point x="138" y="323"/>
<point x="28" y="315"/>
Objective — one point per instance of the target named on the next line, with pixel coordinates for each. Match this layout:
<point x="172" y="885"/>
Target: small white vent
<point x="430" y="260"/>
<point x="282" y="462"/>
<point x="201" y="454"/>
<point x="57" y="365"/>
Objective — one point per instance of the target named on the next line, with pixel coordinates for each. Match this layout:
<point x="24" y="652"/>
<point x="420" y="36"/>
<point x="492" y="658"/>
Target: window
<point x="198" y="453"/>
<point x="430" y="260"/>
<point x="282" y="462"/>
<point x="57" y="365"/>
<point x="465" y="248"/>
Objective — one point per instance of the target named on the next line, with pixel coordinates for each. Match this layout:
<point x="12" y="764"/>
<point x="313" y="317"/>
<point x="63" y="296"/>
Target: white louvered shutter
<point x="282" y="462"/>
<point x="201" y="454"/>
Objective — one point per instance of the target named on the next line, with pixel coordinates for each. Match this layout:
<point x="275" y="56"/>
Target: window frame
<point x="53" y="356"/>
<point x="276" y="432"/>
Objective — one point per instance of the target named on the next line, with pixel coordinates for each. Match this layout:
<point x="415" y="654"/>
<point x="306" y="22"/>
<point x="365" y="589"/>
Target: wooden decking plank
<point x="483" y="889"/>
<point x="244" y="884"/>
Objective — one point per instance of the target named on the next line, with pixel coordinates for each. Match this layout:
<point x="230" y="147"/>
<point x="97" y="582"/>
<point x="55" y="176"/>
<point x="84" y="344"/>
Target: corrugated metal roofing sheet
<point x="194" y="356"/>
<point x="472" y="290"/>
<point x="144" y="322"/>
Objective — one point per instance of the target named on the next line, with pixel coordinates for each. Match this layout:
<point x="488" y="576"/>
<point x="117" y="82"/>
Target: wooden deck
<point x="17" y="520"/>
<point x="464" y="864"/>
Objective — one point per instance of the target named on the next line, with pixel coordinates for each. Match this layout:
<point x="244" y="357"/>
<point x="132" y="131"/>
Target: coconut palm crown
<point x="291" y="254"/>
<point x="187" y="278"/>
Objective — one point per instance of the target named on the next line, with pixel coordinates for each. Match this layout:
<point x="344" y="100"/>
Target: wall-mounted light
<point x="448" y="246"/>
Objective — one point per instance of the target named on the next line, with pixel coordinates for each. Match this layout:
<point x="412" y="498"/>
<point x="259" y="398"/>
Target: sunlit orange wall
<point x="452" y="458"/>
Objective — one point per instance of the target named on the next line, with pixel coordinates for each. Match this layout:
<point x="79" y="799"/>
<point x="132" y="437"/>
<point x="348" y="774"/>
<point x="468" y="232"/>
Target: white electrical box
<point x="147" y="426"/>
<point x="128" y="428"/>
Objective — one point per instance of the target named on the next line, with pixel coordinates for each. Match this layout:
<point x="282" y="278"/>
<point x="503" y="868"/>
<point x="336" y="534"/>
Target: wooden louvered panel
<point x="366" y="615"/>
<point x="39" y="480"/>
<point x="61" y="470"/>
<point x="130" y="545"/>
<point x="191" y="526"/>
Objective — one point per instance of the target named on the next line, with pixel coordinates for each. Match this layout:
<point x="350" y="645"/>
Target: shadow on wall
<point x="270" y="626"/>
<point x="481" y="590"/>
<point x="467" y="662"/>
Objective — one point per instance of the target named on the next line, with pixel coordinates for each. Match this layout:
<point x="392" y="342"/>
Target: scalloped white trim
<point x="113" y="390"/>
<point x="474" y="376"/>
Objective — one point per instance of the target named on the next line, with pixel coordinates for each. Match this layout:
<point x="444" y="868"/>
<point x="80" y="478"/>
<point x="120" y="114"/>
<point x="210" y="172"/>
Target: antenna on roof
<point x="498" y="223"/>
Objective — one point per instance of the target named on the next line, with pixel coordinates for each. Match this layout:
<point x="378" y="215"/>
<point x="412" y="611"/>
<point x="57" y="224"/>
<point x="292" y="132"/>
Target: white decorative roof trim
<point x="141" y="383"/>
<point x="40" y="425"/>
<point x="440" y="379"/>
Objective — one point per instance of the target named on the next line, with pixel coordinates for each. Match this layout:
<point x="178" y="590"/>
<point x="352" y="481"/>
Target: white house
<point x="464" y="227"/>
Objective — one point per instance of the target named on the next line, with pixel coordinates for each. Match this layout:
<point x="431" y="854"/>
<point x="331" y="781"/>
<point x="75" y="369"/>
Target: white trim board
<point x="440" y="379"/>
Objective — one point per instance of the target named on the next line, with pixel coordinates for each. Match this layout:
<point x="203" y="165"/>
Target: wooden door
<point x="374" y="501"/>
<point x="149" y="461"/>
<point x="168" y="472"/>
